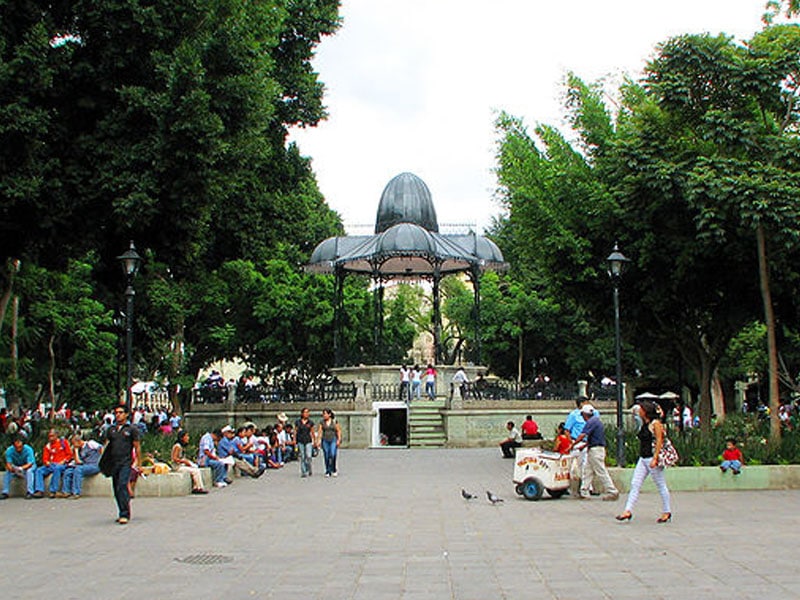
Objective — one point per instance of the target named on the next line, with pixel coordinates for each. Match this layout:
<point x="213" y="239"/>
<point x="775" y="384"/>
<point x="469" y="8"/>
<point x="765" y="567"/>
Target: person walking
<point x="331" y="435"/>
<point x="304" y="440"/>
<point x="123" y="448"/>
<point x="595" y="466"/>
<point x="651" y="439"/>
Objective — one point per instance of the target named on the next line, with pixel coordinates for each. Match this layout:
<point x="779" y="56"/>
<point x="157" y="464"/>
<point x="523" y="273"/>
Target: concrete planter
<point x="698" y="479"/>
<point x="165" y="485"/>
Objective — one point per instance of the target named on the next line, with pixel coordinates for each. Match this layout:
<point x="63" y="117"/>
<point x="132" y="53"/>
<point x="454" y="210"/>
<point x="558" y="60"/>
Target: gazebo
<point x="406" y="245"/>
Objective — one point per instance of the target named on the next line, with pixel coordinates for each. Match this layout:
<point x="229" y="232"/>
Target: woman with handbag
<point x="652" y="439"/>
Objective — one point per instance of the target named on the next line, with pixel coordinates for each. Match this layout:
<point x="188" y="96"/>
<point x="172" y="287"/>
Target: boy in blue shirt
<point x="20" y="462"/>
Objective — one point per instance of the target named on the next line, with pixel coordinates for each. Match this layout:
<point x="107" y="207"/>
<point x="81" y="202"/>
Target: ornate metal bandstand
<point x="406" y="245"/>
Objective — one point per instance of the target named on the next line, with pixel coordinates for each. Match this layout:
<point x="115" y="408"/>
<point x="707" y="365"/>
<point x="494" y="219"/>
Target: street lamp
<point x="130" y="261"/>
<point x="616" y="267"/>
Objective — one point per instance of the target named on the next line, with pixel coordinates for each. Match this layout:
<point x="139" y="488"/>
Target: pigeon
<point x="466" y="495"/>
<point x="492" y="498"/>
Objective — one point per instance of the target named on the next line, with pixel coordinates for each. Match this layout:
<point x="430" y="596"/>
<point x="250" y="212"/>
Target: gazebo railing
<point x="510" y="390"/>
<point x="327" y="392"/>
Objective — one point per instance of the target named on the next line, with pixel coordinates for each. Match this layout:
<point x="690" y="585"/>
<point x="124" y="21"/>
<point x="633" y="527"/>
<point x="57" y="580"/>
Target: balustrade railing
<point x="265" y="394"/>
<point x="510" y="390"/>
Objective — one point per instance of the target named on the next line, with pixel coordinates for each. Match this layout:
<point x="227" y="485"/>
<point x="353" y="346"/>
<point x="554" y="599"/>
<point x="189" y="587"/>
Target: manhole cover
<point x="205" y="559"/>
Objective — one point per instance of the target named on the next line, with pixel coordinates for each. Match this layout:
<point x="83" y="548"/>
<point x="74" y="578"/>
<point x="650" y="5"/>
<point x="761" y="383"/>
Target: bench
<point x="164" y="485"/>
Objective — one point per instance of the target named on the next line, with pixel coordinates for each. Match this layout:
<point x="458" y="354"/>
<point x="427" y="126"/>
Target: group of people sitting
<point x="245" y="451"/>
<point x="66" y="462"/>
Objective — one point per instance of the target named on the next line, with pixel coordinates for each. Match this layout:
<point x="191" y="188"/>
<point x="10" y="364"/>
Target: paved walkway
<point x="394" y="525"/>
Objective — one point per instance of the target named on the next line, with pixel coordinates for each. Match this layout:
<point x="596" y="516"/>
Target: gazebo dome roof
<point x="406" y="199"/>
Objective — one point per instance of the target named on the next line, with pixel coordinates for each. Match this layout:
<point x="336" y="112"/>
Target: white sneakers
<point x="221" y="484"/>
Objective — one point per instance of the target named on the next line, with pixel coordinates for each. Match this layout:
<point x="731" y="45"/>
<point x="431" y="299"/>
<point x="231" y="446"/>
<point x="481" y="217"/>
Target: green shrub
<point x="705" y="449"/>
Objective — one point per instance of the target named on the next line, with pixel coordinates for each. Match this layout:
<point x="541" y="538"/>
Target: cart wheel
<point x="532" y="489"/>
<point x="518" y="489"/>
<point x="556" y="493"/>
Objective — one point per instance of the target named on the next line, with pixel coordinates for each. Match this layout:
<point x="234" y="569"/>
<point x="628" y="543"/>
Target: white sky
<point x="414" y="85"/>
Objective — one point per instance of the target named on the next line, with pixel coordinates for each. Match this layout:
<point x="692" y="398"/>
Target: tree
<point x="741" y="101"/>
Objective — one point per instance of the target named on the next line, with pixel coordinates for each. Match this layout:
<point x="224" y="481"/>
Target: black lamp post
<point x="616" y="267"/>
<point x="130" y="261"/>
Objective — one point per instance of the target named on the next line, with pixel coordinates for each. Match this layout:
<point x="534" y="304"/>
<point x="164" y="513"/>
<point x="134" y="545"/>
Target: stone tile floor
<point x="394" y="525"/>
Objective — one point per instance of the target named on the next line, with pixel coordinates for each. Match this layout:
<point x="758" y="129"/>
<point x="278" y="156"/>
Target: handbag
<point x="314" y="452"/>
<point x="106" y="465"/>
<point x="668" y="456"/>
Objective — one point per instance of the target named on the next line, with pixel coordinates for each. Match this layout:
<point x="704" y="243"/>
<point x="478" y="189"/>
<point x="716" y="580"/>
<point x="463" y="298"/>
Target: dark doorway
<point x="394" y="426"/>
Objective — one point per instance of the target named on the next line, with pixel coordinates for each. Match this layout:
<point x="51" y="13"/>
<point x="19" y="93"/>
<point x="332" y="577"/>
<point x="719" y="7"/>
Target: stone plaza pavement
<point x="394" y="525"/>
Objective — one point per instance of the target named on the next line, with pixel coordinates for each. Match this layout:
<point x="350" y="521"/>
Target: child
<point x="563" y="442"/>
<point x="731" y="457"/>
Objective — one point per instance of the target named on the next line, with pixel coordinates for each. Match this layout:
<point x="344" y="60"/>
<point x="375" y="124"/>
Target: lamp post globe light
<point x="130" y="261"/>
<point x="617" y="262"/>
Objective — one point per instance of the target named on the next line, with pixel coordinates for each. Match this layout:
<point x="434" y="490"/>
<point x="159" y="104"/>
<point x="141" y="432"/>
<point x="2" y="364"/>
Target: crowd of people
<point x="246" y="451"/>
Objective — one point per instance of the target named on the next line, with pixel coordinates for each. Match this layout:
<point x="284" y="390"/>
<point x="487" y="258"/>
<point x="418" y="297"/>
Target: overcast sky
<point x="415" y="85"/>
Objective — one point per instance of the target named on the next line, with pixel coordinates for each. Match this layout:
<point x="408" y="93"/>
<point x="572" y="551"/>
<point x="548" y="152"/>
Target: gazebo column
<point x="437" y="314"/>
<point x="338" y="315"/>
<point x="377" y="322"/>
<point x="475" y="276"/>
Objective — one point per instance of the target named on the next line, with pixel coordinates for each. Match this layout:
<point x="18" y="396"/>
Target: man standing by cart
<point x="595" y="465"/>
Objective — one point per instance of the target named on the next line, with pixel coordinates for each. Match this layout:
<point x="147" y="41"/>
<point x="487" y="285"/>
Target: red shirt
<point x="732" y="454"/>
<point x="529" y="428"/>
<point x="563" y="442"/>
<point x="57" y="453"/>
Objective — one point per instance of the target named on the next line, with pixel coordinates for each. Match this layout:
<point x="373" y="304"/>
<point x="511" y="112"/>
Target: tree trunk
<point x="772" y="345"/>
<point x="717" y="397"/>
<point x="519" y="357"/>
<point x="706" y="372"/>
<point x="51" y="371"/>
<point x="12" y="267"/>
<point x="14" y="349"/>
<point x="175" y="367"/>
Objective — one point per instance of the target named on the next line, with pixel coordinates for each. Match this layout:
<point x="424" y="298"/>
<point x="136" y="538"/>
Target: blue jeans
<point x="73" y="477"/>
<point x="120" y="477"/>
<point x="29" y="476"/>
<point x="329" y="450"/>
<point x="415" y="389"/>
<point x="430" y="389"/>
<point x="736" y="465"/>
<point x="55" y="481"/>
<point x="218" y="470"/>
<point x="305" y="458"/>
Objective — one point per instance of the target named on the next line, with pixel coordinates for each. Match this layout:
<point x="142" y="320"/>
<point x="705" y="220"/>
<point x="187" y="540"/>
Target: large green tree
<point x="165" y="123"/>
<point x="679" y="174"/>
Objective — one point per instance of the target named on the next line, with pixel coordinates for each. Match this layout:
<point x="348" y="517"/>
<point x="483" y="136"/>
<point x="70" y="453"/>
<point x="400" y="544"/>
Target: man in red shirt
<point x="55" y="457"/>
<point x="530" y="430"/>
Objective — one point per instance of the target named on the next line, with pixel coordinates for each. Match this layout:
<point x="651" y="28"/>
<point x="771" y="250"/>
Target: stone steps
<point x="425" y="424"/>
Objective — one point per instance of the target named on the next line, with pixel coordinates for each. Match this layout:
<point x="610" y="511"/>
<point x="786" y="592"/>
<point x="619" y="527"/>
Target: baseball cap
<point x="587" y="409"/>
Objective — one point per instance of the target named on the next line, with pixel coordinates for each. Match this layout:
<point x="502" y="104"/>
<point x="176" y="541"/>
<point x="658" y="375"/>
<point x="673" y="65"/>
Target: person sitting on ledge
<point x="86" y="463"/>
<point x="530" y="429"/>
<point x="20" y="462"/>
<point x="55" y="456"/>
<point x="182" y="464"/>
<point x="732" y="457"/>
<point x="513" y="441"/>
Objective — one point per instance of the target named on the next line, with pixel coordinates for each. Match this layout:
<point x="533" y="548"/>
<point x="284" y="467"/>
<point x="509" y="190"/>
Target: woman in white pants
<point x="651" y="438"/>
<point x="182" y="464"/>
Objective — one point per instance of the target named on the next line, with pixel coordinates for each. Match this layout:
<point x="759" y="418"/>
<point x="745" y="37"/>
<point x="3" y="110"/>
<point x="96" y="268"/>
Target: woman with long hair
<point x="182" y="464"/>
<point x="331" y="435"/>
<point x="651" y="439"/>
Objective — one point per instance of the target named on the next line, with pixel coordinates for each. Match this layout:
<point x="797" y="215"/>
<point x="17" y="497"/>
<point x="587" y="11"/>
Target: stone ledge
<point x="164" y="485"/>
<point x="698" y="479"/>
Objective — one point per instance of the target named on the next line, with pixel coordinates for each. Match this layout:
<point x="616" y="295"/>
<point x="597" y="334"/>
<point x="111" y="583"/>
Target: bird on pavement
<point x="466" y="495"/>
<point x="492" y="498"/>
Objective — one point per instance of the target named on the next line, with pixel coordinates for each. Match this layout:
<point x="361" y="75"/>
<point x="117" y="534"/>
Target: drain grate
<point x="205" y="559"/>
